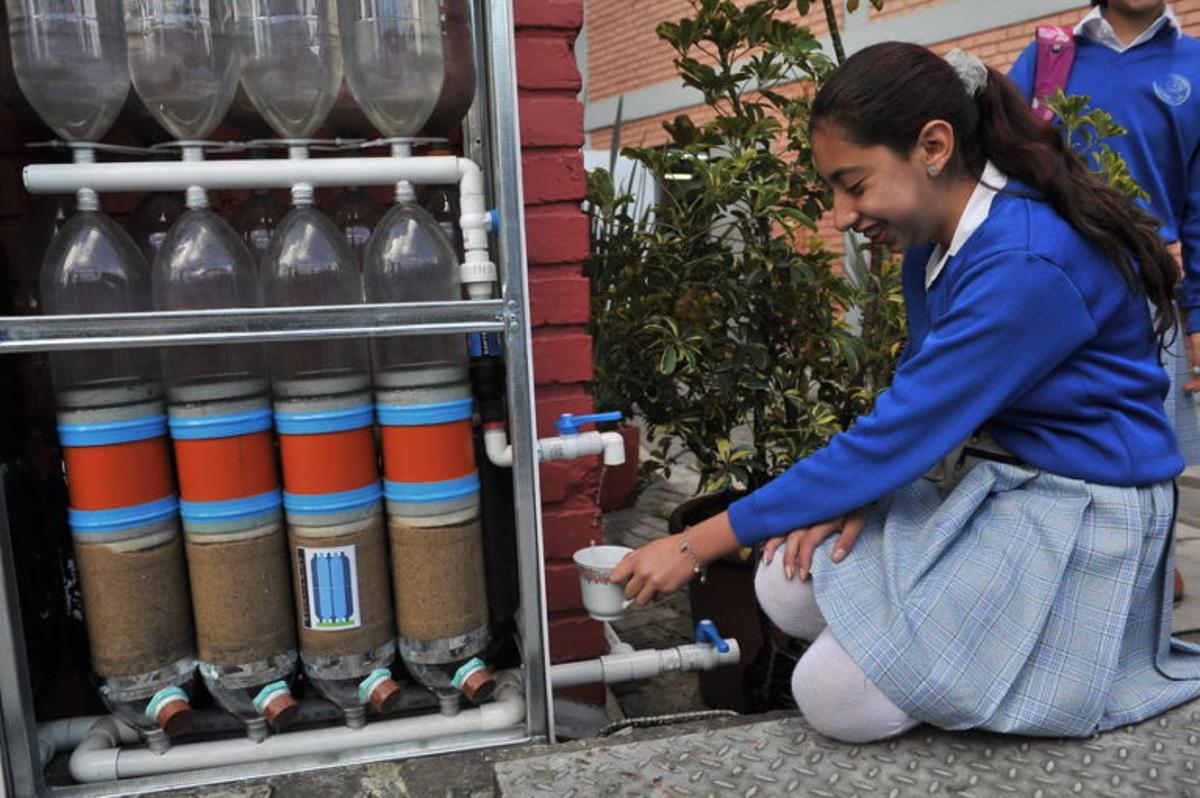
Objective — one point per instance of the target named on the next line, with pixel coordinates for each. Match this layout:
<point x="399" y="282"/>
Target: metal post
<point x="506" y="171"/>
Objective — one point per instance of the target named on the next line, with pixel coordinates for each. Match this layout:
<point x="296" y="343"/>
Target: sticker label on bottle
<point x="328" y="588"/>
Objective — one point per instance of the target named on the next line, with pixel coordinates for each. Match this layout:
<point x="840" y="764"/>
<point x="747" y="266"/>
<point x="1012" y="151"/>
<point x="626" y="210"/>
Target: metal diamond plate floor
<point x="786" y="757"/>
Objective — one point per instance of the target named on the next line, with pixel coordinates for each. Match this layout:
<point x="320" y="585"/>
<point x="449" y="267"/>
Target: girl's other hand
<point x="799" y="545"/>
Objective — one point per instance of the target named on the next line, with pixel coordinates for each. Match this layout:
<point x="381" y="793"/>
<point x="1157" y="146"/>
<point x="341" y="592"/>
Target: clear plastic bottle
<point x="431" y="482"/>
<point x="458" y="85"/>
<point x="442" y="204"/>
<point x="355" y="213"/>
<point x="151" y="219"/>
<point x="255" y="220"/>
<point x="181" y="61"/>
<point x="394" y="62"/>
<point x="291" y="61"/>
<point x="346" y="120"/>
<point x="325" y="419"/>
<point x="123" y="509"/>
<point x="70" y="61"/>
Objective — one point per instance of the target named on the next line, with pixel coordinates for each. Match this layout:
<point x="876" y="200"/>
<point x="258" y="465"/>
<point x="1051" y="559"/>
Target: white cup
<point x="603" y="600"/>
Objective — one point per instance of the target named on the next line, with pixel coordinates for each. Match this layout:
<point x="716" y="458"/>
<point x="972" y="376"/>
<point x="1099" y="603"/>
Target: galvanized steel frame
<point x="493" y="140"/>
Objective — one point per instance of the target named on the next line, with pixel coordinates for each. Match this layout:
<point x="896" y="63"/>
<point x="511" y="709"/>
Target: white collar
<point x="1095" y="27"/>
<point x="973" y="215"/>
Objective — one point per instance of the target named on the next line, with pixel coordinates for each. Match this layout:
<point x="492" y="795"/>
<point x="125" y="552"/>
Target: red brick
<point x="567" y="530"/>
<point x="554" y="176"/>
<point x="553" y="401"/>
<point x="574" y="636"/>
<point x="556" y="234"/>
<point x="564" y="479"/>
<point x="559" y="299"/>
<point x="561" y="355"/>
<point x="560" y="14"/>
<point x="550" y="119"/>
<point x="547" y="61"/>
<point x="585" y="694"/>
<point x="562" y="587"/>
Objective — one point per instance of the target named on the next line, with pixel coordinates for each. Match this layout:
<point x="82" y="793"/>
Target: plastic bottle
<point x="431" y="481"/>
<point x="458" y="83"/>
<point x="355" y="213"/>
<point x="151" y="219"/>
<point x="255" y="221"/>
<point x="123" y="509"/>
<point x="394" y="62"/>
<point x="325" y="419"/>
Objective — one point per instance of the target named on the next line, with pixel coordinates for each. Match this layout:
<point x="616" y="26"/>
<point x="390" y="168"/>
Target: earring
<point x="933" y="170"/>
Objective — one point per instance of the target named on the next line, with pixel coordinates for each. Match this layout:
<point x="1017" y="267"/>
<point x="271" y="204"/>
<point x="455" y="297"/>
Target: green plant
<point x="1087" y="131"/>
<point x="718" y="316"/>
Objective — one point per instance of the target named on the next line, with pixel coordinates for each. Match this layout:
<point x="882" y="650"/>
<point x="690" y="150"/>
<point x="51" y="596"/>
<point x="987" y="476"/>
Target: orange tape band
<point x="217" y="469"/>
<point x="120" y="475"/>
<point x="330" y="462"/>
<point x="433" y="453"/>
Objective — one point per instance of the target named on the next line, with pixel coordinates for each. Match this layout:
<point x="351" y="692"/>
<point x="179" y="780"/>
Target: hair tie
<point x="970" y="70"/>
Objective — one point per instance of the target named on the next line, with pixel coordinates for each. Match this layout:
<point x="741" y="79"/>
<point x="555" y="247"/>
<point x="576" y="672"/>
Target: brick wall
<point x="557" y="242"/>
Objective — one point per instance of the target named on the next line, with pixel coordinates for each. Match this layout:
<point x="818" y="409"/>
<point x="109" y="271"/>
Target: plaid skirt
<point x="1181" y="405"/>
<point x="1017" y="601"/>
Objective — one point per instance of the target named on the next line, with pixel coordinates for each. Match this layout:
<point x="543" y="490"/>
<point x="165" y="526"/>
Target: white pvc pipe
<point x="477" y="271"/>
<point x="99" y="757"/>
<point x="625" y="667"/>
<point x="564" y="447"/>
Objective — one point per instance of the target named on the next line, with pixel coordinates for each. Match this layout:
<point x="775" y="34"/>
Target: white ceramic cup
<point x="603" y="600"/>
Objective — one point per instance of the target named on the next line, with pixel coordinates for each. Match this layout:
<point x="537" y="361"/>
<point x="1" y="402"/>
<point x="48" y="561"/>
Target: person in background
<point x="1023" y="590"/>
<point x="1134" y="61"/>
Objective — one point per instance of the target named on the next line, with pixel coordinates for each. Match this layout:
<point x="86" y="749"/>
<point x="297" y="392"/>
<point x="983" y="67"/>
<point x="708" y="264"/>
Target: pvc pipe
<point x="562" y="447"/>
<point x="477" y="272"/>
<point x="615" y="644"/>
<point x="615" y="668"/>
<point x="99" y="757"/>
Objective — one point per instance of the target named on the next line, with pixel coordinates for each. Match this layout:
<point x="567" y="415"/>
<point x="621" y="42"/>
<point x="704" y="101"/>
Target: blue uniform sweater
<point x="1029" y="333"/>
<point x="1153" y="90"/>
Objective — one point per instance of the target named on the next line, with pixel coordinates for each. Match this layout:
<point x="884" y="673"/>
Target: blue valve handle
<point x="706" y="632"/>
<point x="569" y="424"/>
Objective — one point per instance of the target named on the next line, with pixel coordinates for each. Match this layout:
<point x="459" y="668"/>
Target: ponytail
<point x="887" y="93"/>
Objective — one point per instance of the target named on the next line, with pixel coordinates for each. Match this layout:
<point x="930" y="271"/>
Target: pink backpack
<point x="1055" y="55"/>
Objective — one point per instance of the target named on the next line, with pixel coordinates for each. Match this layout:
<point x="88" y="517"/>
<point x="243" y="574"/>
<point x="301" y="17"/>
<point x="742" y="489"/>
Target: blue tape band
<point x="424" y="415"/>
<point x="330" y="503"/>
<point x="325" y="421"/>
<point x="429" y="492"/>
<point x="232" y="509"/>
<point x="107" y="433"/>
<point x="227" y="426"/>
<point x="98" y="521"/>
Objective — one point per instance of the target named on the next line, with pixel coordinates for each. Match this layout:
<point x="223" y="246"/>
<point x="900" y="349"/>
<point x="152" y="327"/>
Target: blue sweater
<point x="1152" y="90"/>
<point x="1029" y="333"/>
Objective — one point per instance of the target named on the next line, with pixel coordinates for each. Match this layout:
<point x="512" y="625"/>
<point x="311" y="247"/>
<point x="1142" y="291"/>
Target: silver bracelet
<point x="686" y="547"/>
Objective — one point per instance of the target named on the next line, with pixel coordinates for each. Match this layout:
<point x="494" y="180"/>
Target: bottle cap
<point x="174" y="717"/>
<point x="280" y="710"/>
<point x="386" y="695"/>
<point x="479" y="686"/>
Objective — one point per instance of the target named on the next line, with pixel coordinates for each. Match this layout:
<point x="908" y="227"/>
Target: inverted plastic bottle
<point x="123" y="508"/>
<point x="255" y="220"/>
<point x="325" y="419"/>
<point x="458" y="83"/>
<point x="69" y="59"/>
<point x="151" y="219"/>
<point x="394" y="62"/>
<point x="356" y="213"/>
<point x="431" y="482"/>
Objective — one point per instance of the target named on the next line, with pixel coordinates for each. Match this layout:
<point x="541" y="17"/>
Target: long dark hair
<point x="885" y="94"/>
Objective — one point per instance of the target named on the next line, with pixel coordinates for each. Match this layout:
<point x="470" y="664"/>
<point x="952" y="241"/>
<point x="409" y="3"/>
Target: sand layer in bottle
<point x="374" y="595"/>
<point x="136" y="605"/>
<point x="437" y="575"/>
<point x="242" y="594"/>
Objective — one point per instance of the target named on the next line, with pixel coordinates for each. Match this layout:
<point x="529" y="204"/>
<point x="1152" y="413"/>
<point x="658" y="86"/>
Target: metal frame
<point x="498" y="152"/>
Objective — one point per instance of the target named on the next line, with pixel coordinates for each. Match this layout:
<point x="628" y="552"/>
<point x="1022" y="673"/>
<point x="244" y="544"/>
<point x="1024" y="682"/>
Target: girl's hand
<point x="1193" y="353"/>
<point x="800" y="544"/>
<point x="654" y="570"/>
